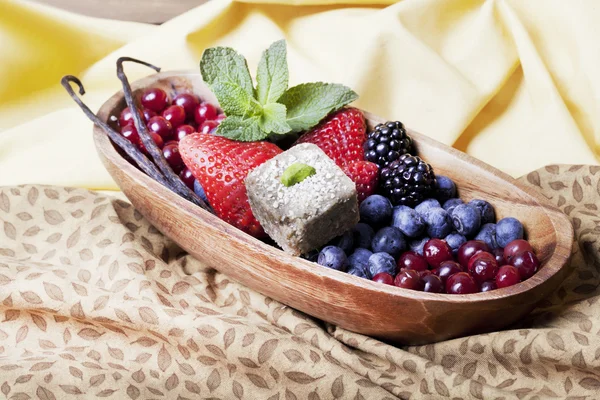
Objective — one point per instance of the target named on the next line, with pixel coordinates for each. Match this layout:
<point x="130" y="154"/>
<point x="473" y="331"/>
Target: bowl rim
<point x="563" y="229"/>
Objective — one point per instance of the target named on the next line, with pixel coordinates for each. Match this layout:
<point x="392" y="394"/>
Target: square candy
<point x="308" y="214"/>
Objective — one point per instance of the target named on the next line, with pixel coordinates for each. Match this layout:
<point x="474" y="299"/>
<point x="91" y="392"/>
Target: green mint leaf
<point x="273" y="119"/>
<point x="296" y="173"/>
<point x="272" y="73"/>
<point x="309" y="103"/>
<point x="242" y="129"/>
<point x="234" y="100"/>
<point x="224" y="64"/>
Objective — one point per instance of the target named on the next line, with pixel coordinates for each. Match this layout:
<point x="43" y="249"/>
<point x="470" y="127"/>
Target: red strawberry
<point x="221" y="165"/>
<point x="365" y="175"/>
<point x="341" y="136"/>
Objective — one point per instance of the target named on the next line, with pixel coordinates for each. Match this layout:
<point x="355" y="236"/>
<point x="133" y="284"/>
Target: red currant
<point x="437" y="251"/>
<point x="461" y="283"/>
<point x="220" y="117"/>
<point x="483" y="266"/>
<point x="155" y="99"/>
<point x="160" y="126"/>
<point x="187" y="178"/>
<point x="526" y="263"/>
<point x="126" y="116"/>
<point x="507" y="276"/>
<point x="487" y="286"/>
<point x="130" y="133"/>
<point x="208" y="126"/>
<point x="205" y="112"/>
<point x="516" y="247"/>
<point x="432" y="284"/>
<point x="469" y="249"/>
<point x="183" y="131"/>
<point x="157" y="139"/>
<point x="447" y="269"/>
<point x="383" y="277"/>
<point x="409" y="279"/>
<point x="171" y="153"/>
<point x="189" y="102"/>
<point x="175" y="115"/>
<point x="499" y="255"/>
<point x="411" y="260"/>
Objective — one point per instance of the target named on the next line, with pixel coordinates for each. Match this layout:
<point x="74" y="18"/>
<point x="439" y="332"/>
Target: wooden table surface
<point x="149" y="11"/>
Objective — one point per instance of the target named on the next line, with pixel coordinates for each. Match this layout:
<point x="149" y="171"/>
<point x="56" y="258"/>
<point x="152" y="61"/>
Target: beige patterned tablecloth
<point x="95" y="302"/>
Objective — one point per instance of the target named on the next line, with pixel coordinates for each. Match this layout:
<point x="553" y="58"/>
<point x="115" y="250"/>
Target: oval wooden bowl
<point x="385" y="312"/>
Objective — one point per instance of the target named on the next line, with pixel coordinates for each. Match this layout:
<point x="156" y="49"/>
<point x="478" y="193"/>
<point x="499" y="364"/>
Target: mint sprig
<point x="271" y="108"/>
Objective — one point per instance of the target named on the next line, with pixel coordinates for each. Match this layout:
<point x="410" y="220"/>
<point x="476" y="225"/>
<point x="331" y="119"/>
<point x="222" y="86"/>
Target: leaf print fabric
<point x="95" y="302"/>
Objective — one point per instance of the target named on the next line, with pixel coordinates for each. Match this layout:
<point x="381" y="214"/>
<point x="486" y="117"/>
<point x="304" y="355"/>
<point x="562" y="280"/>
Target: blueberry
<point x="487" y="234"/>
<point x="466" y="219"/>
<point x="360" y="272"/>
<point x="507" y="230"/>
<point x="363" y="234"/>
<point x="199" y="190"/>
<point x="451" y="204"/>
<point x="382" y="262"/>
<point x="427" y="205"/>
<point x="389" y="240"/>
<point x="360" y="257"/>
<point x="417" y="245"/>
<point x="487" y="211"/>
<point x="439" y="223"/>
<point x="445" y="188"/>
<point x="455" y="240"/>
<point x="375" y="210"/>
<point x="333" y="257"/>
<point x="408" y="221"/>
<point x="345" y="242"/>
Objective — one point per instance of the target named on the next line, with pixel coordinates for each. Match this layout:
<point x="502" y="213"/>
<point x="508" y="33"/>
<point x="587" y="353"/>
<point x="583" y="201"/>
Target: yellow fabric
<point x="514" y="83"/>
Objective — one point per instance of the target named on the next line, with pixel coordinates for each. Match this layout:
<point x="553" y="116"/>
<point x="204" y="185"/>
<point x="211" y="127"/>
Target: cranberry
<point x="155" y="99"/>
<point x="189" y="102"/>
<point x="220" y="117"/>
<point x="425" y="273"/>
<point x="208" y="126"/>
<point x="507" y="276"/>
<point x="205" y="112"/>
<point x="409" y="279"/>
<point x="526" y="263"/>
<point x="161" y="126"/>
<point x="461" y="283"/>
<point x="483" y="266"/>
<point x="411" y="260"/>
<point x="499" y="255"/>
<point x="130" y="133"/>
<point x="516" y="247"/>
<point x="157" y="139"/>
<point x="487" y="286"/>
<point x="187" y="178"/>
<point x="437" y="251"/>
<point x="175" y="115"/>
<point x="171" y="153"/>
<point x="126" y="116"/>
<point x="384" y="277"/>
<point x="469" y="249"/>
<point x="183" y="131"/>
<point x="447" y="269"/>
<point x="432" y="284"/>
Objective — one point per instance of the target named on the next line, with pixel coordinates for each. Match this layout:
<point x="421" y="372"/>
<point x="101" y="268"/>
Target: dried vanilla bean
<point x="175" y="181"/>
<point x="129" y="148"/>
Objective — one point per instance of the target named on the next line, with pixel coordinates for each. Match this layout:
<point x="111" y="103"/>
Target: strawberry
<point x="220" y="165"/>
<point x="341" y="136"/>
<point x="365" y="175"/>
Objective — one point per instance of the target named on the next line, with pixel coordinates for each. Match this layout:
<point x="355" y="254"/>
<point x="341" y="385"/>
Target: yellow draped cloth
<point x="514" y="83"/>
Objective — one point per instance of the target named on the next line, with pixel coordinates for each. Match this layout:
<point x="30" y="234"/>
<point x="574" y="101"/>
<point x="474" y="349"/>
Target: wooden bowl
<point x="384" y="312"/>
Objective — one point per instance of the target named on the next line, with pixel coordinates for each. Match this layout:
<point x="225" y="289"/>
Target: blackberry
<point x="386" y="143"/>
<point x="407" y="181"/>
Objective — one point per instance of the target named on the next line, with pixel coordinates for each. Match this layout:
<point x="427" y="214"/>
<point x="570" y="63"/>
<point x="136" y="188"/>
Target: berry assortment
<point x="414" y="232"/>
